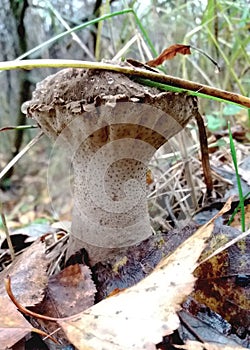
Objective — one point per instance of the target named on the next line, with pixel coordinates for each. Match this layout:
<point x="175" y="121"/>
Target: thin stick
<point x="20" y="154"/>
<point x="7" y="233"/>
<point x="204" y="153"/>
<point x="194" y="88"/>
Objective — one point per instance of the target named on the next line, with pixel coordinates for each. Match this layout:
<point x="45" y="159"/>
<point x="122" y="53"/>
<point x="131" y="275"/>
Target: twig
<point x="28" y="312"/>
<point x="204" y="153"/>
<point x="196" y="88"/>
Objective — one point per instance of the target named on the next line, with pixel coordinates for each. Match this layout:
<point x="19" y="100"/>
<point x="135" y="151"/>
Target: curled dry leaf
<point x="169" y="53"/>
<point x="138" y="317"/>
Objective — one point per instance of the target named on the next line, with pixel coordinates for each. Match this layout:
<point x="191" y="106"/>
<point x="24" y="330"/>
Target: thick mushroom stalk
<point x="111" y="126"/>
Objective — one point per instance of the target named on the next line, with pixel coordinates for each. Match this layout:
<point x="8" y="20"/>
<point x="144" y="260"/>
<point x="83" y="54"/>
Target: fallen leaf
<point x="149" y="177"/>
<point x="134" y="263"/>
<point x="13" y="326"/>
<point x="28" y="279"/>
<point x="223" y="282"/>
<point x="70" y="291"/>
<point x="140" y="316"/>
<point x="169" y="53"/>
<point x="28" y="275"/>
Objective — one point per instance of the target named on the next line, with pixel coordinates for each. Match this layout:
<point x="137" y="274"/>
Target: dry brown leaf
<point x="169" y="53"/>
<point x="13" y="326"/>
<point x="138" y="317"/>
<point x="223" y="285"/>
<point x="28" y="279"/>
<point x="194" y="345"/>
<point x="71" y="291"/>
<point x="28" y="275"/>
<point x="222" y="279"/>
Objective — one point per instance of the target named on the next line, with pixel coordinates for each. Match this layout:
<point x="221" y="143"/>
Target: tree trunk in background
<point x="18" y="11"/>
<point x="13" y="44"/>
<point x="10" y="89"/>
<point x="23" y="27"/>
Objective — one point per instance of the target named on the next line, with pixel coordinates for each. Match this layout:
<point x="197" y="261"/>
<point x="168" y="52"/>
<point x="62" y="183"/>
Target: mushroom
<point x="112" y="126"/>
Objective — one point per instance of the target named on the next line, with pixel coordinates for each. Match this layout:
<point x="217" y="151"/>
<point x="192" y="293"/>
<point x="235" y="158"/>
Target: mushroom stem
<point x="110" y="194"/>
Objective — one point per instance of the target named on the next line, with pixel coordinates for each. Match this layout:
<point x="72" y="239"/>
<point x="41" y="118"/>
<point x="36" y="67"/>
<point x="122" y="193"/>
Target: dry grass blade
<point x="227" y="245"/>
<point x="20" y="154"/>
<point x="6" y="230"/>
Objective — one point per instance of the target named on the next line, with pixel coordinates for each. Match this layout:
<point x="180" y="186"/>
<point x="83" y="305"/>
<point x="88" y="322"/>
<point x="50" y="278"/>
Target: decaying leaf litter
<point x="149" y="345"/>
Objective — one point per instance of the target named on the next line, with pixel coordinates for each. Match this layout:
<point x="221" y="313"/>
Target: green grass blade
<point x="236" y="210"/>
<point x="241" y="197"/>
<point x="166" y="87"/>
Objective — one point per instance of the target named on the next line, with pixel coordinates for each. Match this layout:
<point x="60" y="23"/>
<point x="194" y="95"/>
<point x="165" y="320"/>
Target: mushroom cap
<point x="72" y="93"/>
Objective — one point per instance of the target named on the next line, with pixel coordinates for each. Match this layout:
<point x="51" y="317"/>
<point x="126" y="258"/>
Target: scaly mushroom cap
<point x="113" y="126"/>
<point x="70" y="93"/>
